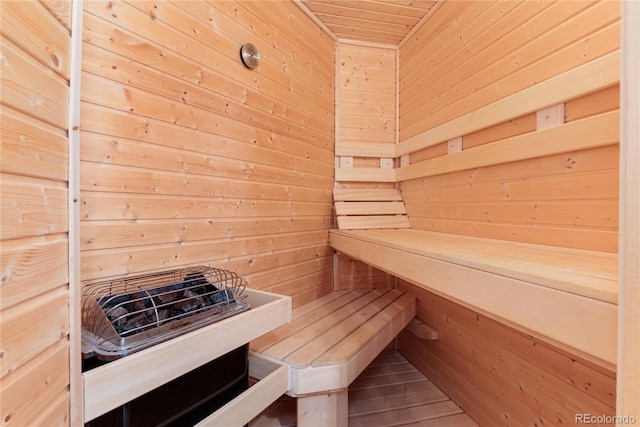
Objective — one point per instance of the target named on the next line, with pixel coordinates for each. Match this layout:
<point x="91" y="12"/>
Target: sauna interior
<point x="134" y="139"/>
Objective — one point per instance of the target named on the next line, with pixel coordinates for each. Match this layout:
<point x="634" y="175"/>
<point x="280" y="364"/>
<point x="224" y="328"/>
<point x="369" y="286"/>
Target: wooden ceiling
<point x="372" y="21"/>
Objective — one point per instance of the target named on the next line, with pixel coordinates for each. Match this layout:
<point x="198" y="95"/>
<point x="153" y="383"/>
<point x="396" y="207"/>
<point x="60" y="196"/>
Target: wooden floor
<point x="390" y="392"/>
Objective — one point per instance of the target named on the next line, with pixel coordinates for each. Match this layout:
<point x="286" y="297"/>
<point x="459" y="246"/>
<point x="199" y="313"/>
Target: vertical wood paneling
<point x="485" y="52"/>
<point x="188" y="157"/>
<point x="628" y="399"/>
<point x="34" y="317"/>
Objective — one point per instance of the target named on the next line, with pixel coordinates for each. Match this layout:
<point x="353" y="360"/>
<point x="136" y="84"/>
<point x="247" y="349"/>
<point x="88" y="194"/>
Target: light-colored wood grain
<point x="40" y="92"/>
<point x="31" y="327"/>
<point x="372" y="195"/>
<point x="365" y="149"/>
<point x="495" y="292"/>
<point x="32" y="148"/>
<point x="384" y="22"/>
<point x="567" y="200"/>
<point x="488" y="74"/>
<point x="323" y="409"/>
<point x="34" y="317"/>
<point x="62" y="10"/>
<point x="33" y="207"/>
<point x="371" y="208"/>
<point x="583" y="134"/>
<point x="372" y="222"/>
<point x="549" y="117"/>
<point x="39" y="33"/>
<point x="420" y="329"/>
<point x="33" y="390"/>
<point x="587" y="273"/>
<point x="490" y="362"/>
<point x="402" y="308"/>
<point x="628" y="388"/>
<point x="365" y="175"/>
<point x="32" y="267"/>
<point x="593" y="76"/>
<point x="331" y="342"/>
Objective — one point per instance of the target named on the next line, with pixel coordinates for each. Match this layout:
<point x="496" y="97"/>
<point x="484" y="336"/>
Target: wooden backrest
<point x="359" y="209"/>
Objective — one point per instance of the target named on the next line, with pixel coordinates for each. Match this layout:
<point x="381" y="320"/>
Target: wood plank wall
<point x="471" y="54"/>
<point x="468" y="55"/>
<point x="34" y="317"/>
<point x="189" y="158"/>
<point x="366" y="105"/>
<point x="502" y="377"/>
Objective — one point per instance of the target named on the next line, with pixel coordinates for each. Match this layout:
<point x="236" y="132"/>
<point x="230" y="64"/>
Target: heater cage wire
<point x="129" y="313"/>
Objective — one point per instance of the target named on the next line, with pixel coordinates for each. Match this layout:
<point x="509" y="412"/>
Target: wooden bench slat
<point x="362" y="195"/>
<point x="372" y="222"/>
<point x="370" y="330"/>
<point x="346" y="174"/>
<point x="370" y="208"/>
<point x="306" y="314"/>
<point x="315" y="325"/>
<point x="324" y="338"/>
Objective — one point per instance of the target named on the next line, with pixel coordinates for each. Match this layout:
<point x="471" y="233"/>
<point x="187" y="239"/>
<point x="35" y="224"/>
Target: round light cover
<point x="250" y="55"/>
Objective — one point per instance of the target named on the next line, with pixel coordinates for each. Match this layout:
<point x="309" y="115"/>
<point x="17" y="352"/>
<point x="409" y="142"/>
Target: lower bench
<point x="329" y="342"/>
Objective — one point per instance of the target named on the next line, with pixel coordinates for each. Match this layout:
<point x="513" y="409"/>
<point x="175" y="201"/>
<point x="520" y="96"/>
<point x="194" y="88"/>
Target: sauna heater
<point x="128" y="314"/>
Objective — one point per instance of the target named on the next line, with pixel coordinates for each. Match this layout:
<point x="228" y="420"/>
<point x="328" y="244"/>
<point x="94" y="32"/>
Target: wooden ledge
<point x="563" y="296"/>
<point x="587" y="273"/>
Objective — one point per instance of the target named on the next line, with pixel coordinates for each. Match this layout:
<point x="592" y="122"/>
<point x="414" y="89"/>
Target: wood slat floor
<point x="389" y="392"/>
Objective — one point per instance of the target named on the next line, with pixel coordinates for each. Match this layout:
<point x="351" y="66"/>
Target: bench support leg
<point x="326" y="409"/>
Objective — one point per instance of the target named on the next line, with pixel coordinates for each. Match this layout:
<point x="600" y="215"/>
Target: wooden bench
<point x="564" y="296"/>
<point x="329" y="342"/>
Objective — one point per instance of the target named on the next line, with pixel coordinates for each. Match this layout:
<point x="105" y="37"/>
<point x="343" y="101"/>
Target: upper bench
<point x="565" y="296"/>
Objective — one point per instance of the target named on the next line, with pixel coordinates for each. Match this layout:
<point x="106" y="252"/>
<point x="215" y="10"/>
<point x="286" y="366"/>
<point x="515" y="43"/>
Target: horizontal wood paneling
<point x="521" y="58"/>
<point x="39" y="33"/>
<point x="32" y="267"/>
<point x="32" y="148"/>
<point x="34" y="308"/>
<point x="189" y="158"/>
<point x="32" y="207"/>
<point x="500" y="376"/>
<point x="469" y="56"/>
<point x="40" y="92"/>
<point x="28" y="329"/>
<point x="45" y="378"/>
<point x="567" y="197"/>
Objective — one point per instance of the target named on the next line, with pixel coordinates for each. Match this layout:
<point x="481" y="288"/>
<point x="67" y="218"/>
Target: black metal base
<point x="186" y="400"/>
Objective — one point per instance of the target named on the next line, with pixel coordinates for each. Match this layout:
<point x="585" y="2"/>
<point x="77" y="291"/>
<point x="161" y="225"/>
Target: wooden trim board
<point x="628" y="378"/>
<point x="590" y="77"/>
<point x="578" y="135"/>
